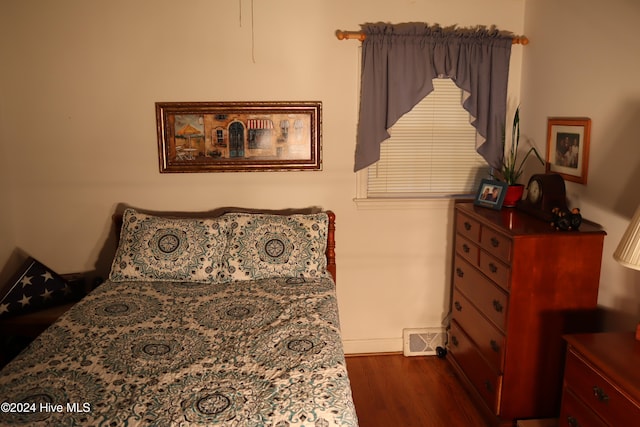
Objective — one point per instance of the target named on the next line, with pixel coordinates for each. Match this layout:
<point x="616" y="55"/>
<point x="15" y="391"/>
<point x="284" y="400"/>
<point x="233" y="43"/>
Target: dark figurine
<point x="566" y="220"/>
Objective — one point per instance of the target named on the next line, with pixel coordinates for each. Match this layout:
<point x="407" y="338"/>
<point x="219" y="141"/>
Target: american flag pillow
<point x="34" y="287"/>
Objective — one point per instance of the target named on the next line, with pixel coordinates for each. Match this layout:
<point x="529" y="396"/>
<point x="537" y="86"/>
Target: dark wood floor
<point x="419" y="391"/>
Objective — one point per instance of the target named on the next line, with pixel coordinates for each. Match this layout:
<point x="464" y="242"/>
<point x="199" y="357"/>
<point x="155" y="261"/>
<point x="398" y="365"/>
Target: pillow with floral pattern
<point x="168" y="249"/>
<point x="262" y="245"/>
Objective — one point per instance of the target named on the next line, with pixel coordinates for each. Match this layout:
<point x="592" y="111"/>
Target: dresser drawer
<point x="495" y="243"/>
<point x="495" y="269"/>
<point x="489" y="340"/>
<point x="467" y="250"/>
<point x="491" y="300"/>
<point x="486" y="381"/>
<point x="590" y="386"/>
<point x="468" y="227"/>
<point x="575" y="414"/>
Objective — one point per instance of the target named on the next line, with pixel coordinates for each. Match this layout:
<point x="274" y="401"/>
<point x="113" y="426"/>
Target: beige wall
<point x="8" y="261"/>
<point x="7" y="240"/>
<point x="583" y="61"/>
<point x="79" y="80"/>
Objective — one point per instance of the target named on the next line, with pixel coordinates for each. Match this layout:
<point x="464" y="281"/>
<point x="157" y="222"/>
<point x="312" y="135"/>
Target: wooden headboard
<point x="331" y="232"/>
<point x="331" y="245"/>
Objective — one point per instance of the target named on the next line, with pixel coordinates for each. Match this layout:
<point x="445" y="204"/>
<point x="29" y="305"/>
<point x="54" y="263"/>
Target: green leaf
<point x="511" y="168"/>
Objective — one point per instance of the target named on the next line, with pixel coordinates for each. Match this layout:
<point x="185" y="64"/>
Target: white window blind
<point x="431" y="151"/>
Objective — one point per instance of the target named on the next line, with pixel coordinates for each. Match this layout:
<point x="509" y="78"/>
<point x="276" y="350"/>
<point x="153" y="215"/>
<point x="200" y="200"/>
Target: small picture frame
<point x="491" y="194"/>
<point x="568" y="147"/>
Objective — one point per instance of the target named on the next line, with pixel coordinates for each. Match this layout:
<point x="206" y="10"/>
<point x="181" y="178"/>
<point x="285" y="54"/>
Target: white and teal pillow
<point x="169" y="249"/>
<point x="262" y="246"/>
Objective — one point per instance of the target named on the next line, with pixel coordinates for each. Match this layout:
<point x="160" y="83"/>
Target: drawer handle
<point x="495" y="242"/>
<point x="497" y="306"/>
<point x="459" y="272"/>
<point x="466" y="248"/>
<point x="488" y="386"/>
<point x="457" y="305"/>
<point x="467" y="226"/>
<point x="494" y="346"/>
<point x="493" y="267"/>
<point x="454" y="340"/>
<point x="600" y="394"/>
<point x="572" y="421"/>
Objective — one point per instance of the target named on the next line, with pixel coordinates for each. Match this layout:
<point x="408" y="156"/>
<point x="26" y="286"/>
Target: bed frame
<point x="331" y="240"/>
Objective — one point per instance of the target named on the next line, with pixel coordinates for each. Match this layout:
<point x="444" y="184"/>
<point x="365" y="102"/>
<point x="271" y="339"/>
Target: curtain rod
<point x="358" y="35"/>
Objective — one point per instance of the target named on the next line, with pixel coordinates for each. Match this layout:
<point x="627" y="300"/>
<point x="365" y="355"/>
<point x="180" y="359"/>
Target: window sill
<point x="404" y="203"/>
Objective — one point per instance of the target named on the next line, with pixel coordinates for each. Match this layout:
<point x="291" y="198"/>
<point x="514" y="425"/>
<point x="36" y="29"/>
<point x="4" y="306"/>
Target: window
<point x="431" y="152"/>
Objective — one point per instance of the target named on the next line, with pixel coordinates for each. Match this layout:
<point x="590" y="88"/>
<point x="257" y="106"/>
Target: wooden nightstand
<point x="17" y="332"/>
<point x="601" y="380"/>
<point x="32" y="324"/>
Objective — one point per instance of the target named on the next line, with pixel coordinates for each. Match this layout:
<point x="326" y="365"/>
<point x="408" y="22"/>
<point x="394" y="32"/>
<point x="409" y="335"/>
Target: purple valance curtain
<point x="400" y="61"/>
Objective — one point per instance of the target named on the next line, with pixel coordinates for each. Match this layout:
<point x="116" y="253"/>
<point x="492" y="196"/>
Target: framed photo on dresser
<point x="491" y="194"/>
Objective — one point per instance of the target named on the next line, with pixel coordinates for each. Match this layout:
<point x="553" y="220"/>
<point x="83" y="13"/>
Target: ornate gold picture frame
<point x="239" y="137"/>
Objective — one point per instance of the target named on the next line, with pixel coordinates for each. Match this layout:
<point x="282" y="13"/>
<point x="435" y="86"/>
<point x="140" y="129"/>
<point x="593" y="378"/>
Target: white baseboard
<point x="385" y="345"/>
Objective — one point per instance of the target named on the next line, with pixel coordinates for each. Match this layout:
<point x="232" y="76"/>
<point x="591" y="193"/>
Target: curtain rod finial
<point x="350" y="35"/>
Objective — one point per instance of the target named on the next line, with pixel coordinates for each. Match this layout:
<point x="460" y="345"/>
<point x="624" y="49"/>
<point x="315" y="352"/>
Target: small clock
<point x="544" y="193"/>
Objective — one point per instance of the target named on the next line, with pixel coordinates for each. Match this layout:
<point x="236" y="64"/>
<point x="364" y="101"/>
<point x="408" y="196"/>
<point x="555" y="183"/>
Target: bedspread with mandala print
<point x="252" y="353"/>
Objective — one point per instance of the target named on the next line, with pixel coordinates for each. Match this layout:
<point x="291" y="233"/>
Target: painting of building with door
<point x="205" y="138"/>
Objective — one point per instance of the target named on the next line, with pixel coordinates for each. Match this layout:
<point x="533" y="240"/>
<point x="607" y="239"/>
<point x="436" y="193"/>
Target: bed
<point x="229" y="320"/>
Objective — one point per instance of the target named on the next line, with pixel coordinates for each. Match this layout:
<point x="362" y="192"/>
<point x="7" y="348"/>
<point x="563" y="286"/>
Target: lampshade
<point x="628" y="251"/>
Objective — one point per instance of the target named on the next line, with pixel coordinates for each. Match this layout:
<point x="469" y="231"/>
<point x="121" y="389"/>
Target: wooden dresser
<point x="601" y="381"/>
<point x="518" y="286"/>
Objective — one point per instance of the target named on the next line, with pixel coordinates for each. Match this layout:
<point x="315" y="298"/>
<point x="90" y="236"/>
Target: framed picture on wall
<point x="568" y="147"/>
<point x="491" y="194"/>
<point x="239" y="137"/>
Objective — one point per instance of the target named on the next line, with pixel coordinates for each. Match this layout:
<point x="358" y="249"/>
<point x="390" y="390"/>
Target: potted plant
<point x="511" y="167"/>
